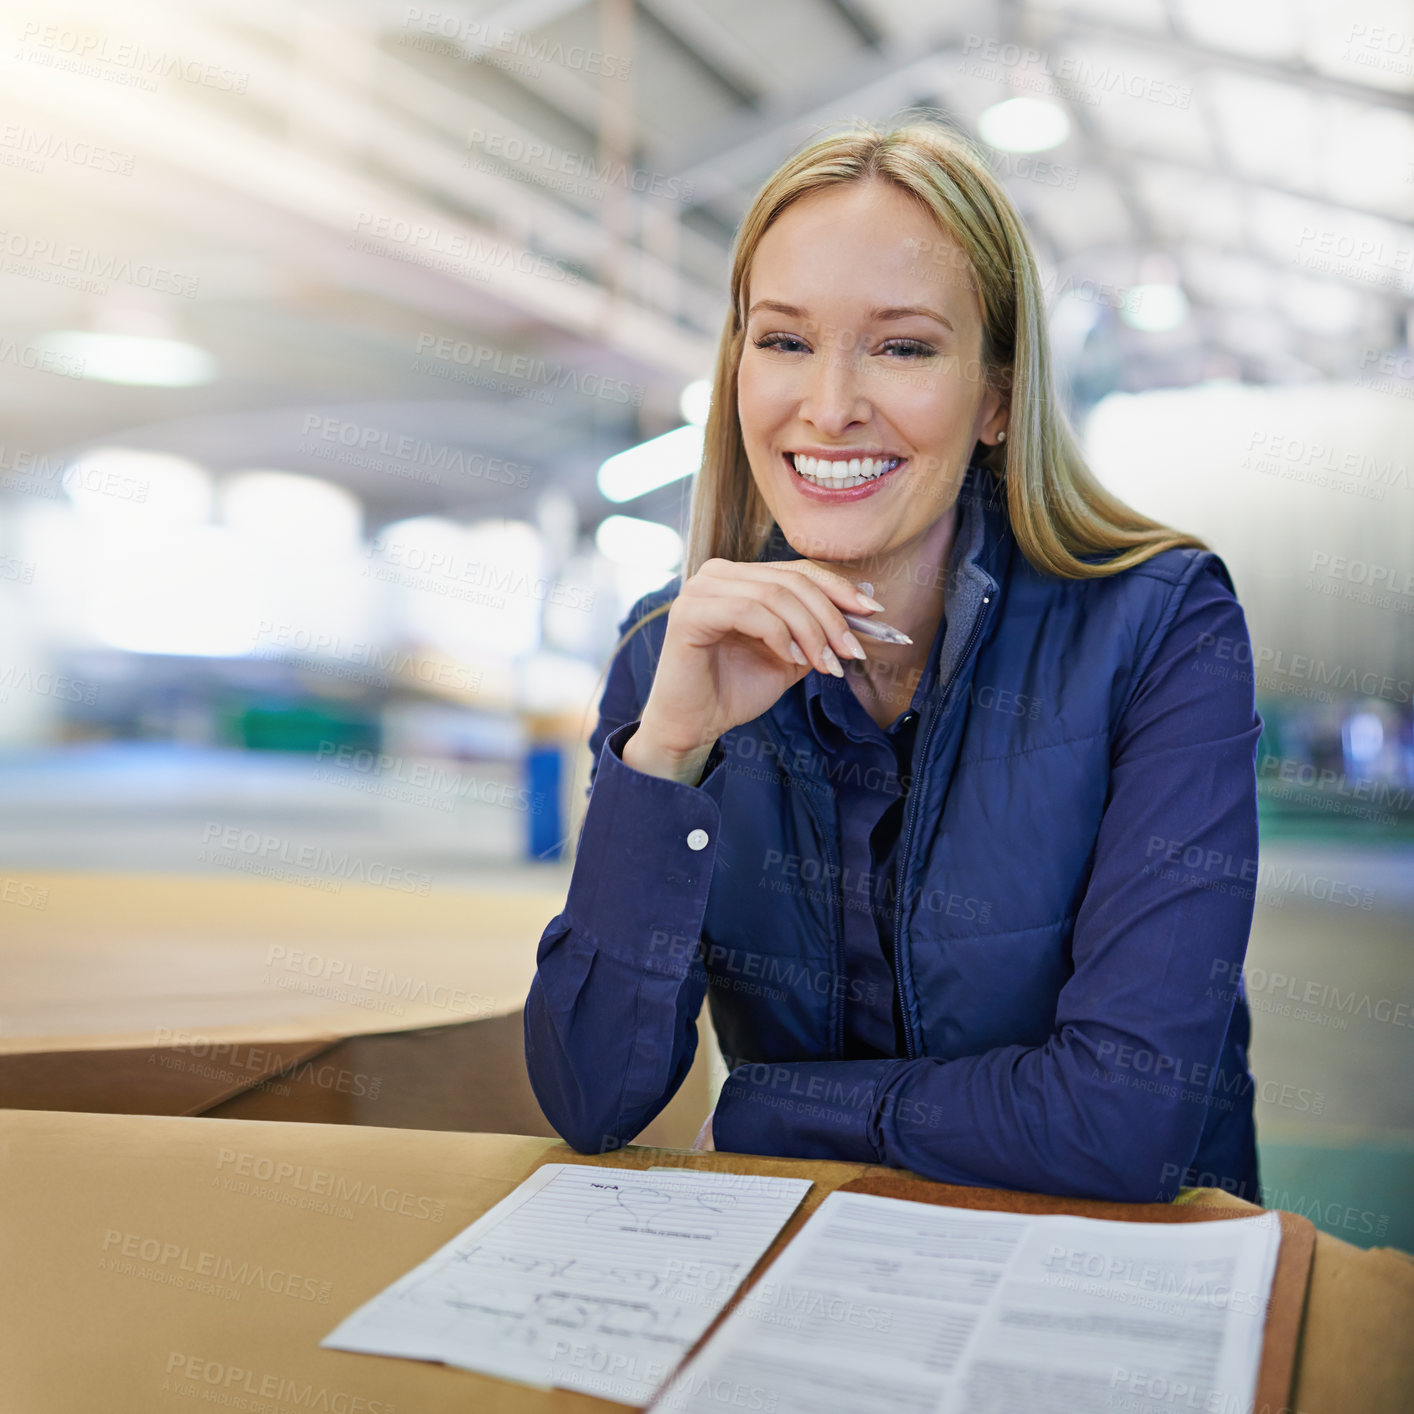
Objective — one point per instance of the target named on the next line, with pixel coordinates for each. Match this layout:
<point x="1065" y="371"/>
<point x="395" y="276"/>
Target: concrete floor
<point x="1333" y="1037"/>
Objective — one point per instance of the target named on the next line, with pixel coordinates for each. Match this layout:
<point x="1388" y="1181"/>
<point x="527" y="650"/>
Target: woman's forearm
<point x="611" y="1018"/>
<point x="606" y="1045"/>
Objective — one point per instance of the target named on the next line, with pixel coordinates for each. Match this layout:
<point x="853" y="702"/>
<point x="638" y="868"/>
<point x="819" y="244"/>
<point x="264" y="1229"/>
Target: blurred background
<point x="352" y="371"/>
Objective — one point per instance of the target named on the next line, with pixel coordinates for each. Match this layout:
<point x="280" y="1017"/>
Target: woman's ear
<point x="997" y="401"/>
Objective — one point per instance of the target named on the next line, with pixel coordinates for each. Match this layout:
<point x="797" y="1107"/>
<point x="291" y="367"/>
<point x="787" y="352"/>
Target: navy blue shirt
<point x="610" y="1021"/>
<point x="871" y="786"/>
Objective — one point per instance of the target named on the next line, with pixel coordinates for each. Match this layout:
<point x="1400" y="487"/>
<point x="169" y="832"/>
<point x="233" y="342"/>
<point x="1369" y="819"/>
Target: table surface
<point x="103" y="962"/>
<point x="83" y="1326"/>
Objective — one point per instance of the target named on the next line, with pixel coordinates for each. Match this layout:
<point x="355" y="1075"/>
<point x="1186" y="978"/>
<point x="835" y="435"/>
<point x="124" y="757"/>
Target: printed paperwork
<point x="594" y="1279"/>
<point x="882" y="1304"/>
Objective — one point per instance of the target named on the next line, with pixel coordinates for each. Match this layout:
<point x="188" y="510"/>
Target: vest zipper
<point x="836" y="927"/>
<point x="912" y="817"/>
<point x="836" y="912"/>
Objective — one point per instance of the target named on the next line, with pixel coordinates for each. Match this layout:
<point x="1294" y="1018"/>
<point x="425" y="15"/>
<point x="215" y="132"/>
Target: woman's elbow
<point x="586" y="1126"/>
<point x="583" y="1120"/>
<point x="1148" y="1166"/>
<point x="1120" y="1149"/>
<point x="585" y="1134"/>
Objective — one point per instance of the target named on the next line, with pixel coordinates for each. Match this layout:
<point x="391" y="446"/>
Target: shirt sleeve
<point x="611" y="1017"/>
<point x="1113" y="1104"/>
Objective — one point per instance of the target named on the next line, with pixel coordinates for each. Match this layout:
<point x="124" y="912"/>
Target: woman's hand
<point x="738" y="636"/>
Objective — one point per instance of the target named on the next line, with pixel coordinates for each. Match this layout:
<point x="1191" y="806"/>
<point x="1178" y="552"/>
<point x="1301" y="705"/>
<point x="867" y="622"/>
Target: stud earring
<point x="1001" y="436"/>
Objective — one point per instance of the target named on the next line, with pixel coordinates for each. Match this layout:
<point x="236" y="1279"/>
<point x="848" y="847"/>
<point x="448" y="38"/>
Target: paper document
<point x="595" y="1279"/>
<point x="881" y="1304"/>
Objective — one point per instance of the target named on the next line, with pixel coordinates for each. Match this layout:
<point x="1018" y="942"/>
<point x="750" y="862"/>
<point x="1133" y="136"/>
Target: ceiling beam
<point x="714" y="47"/>
<point x="175" y="134"/>
<point x="727" y="159"/>
<point x="739" y="145"/>
<point x="1195" y="52"/>
<point x="858" y="21"/>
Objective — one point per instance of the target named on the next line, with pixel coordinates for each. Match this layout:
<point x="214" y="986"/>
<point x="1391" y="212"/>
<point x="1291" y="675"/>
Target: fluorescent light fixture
<point x="695" y="401"/>
<point x="546" y="681"/>
<point x="302" y="512"/>
<point x="657" y="462"/>
<point x="474" y="592"/>
<point x="1364" y="737"/>
<point x="132" y="359"/>
<point x="1023" y="125"/>
<point x="1154" y="308"/>
<point x="123" y="482"/>
<point x="629" y="541"/>
<point x="168" y="589"/>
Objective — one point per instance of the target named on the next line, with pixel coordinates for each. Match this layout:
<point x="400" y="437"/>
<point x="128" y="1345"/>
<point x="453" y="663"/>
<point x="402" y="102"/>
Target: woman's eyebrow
<point x="900" y="311"/>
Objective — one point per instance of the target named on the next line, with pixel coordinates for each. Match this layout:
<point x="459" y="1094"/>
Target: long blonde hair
<point x="1058" y="510"/>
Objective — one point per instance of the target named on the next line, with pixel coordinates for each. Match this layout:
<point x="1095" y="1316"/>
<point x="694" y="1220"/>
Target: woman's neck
<point x="910" y="583"/>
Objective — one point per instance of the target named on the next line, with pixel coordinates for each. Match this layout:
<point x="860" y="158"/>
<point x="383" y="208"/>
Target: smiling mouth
<point x="842" y="475"/>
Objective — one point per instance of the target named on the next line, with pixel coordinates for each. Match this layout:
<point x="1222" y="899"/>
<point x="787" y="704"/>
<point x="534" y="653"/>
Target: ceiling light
<point x="283" y="508"/>
<point x="1024" y="125"/>
<point x="657" y="462"/>
<point x="133" y="359"/>
<point x="696" y="401"/>
<point x="166" y="589"/>
<point x="1154" y="308"/>
<point x="644" y="543"/>
<point x="156" y="487"/>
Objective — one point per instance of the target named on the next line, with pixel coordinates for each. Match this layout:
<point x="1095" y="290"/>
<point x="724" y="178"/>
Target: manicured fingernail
<point x="796" y="653"/>
<point x="865" y="587"/>
<point x="832" y="663"/>
<point x="852" y="643"/>
<point x="869" y="603"/>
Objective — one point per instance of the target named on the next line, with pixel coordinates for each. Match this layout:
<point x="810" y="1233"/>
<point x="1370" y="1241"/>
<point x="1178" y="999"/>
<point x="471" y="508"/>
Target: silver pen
<point x="873" y="628"/>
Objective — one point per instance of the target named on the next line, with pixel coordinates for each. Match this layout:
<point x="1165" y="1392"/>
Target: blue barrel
<point x="544" y="770"/>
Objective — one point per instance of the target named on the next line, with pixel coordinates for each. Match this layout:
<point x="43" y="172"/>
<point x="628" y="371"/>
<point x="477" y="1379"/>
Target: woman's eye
<point x="910" y="348"/>
<point x="774" y="341"/>
<point x="906" y="348"/>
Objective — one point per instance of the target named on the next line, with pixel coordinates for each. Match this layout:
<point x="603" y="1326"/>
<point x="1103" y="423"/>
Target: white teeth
<point x="841" y="475"/>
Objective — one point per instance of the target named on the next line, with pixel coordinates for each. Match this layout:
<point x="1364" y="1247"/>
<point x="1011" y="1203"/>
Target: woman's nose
<point x="834" y="398"/>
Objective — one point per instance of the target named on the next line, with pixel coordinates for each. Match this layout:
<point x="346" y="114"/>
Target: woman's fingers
<point x="852" y="598"/>
<point x="847" y="596"/>
<point x="823" y="627"/>
<point x="781" y="599"/>
<point x="831" y="583"/>
<point x="723" y="613"/>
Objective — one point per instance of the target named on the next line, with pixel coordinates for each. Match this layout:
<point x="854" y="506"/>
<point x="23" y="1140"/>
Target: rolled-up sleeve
<point x="611" y="1017"/>
<point x="1113" y="1104"/>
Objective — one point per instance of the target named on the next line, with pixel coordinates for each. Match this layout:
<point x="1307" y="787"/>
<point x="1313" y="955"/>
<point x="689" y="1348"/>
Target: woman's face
<point x="863" y="337"/>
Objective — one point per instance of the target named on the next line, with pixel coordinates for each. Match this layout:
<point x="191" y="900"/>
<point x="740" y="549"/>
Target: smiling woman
<point x="932" y="899"/>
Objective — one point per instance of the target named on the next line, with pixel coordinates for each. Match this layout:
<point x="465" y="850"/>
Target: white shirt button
<point x="697" y="839"/>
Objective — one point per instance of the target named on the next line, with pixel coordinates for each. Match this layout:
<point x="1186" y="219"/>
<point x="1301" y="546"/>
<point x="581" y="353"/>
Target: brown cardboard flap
<point x="158" y="1080"/>
<point x="117" y="962"/>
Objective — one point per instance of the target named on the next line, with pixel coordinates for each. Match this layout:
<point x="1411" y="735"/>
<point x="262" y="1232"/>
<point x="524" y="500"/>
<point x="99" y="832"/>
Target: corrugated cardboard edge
<point x="148" y="1080"/>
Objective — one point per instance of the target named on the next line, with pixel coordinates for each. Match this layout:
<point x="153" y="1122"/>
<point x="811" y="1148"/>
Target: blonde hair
<point x="1064" y="521"/>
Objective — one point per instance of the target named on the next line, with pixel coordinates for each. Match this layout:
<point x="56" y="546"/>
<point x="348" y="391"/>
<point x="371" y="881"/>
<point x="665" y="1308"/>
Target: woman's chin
<point x="822" y="538"/>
